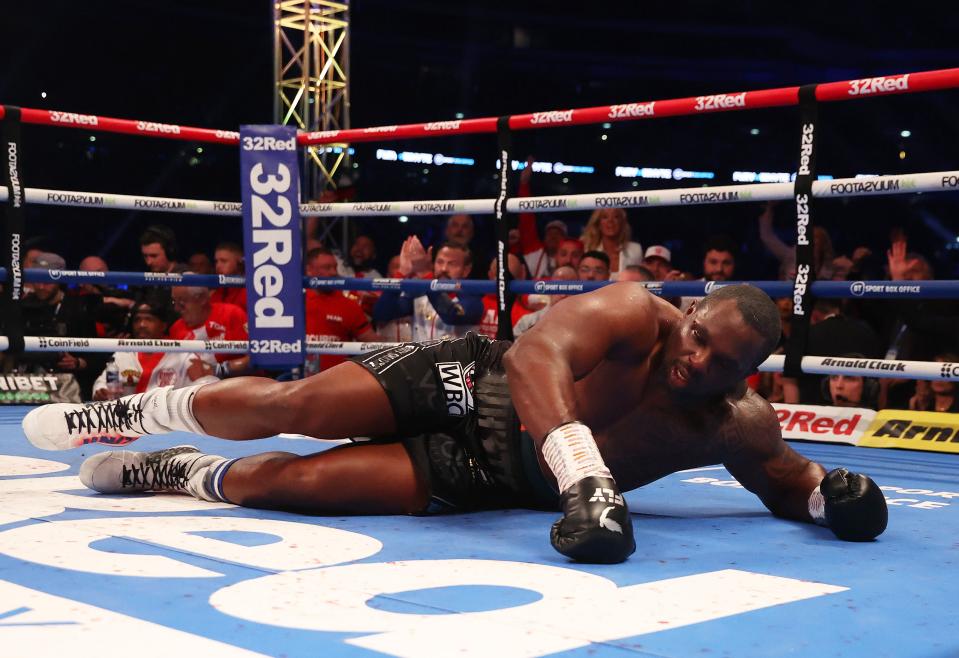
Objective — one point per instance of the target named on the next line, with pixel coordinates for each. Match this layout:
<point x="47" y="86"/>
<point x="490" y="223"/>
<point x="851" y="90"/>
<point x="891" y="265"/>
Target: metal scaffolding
<point x="311" y="66"/>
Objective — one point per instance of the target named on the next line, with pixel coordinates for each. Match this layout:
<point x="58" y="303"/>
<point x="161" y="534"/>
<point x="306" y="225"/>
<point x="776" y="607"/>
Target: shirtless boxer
<point x="614" y="389"/>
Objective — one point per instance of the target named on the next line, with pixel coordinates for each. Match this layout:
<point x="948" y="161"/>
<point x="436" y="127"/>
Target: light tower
<point x="311" y="66"/>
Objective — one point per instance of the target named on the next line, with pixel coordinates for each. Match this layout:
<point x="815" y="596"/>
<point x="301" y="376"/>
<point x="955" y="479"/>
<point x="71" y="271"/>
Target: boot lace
<point x="104" y="417"/>
<point x="160" y="470"/>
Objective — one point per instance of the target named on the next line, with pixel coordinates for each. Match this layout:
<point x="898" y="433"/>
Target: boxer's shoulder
<point x="749" y="422"/>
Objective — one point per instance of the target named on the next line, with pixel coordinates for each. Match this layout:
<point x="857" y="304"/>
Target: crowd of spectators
<point x="540" y="247"/>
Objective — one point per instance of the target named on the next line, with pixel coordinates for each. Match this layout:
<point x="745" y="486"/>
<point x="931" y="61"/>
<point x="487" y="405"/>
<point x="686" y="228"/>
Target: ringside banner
<point x="914" y="430"/>
<point x="810" y="422"/>
<point x="269" y="182"/>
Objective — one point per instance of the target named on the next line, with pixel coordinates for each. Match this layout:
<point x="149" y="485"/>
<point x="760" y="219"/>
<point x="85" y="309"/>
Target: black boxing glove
<point x="596" y="526"/>
<point x="853" y="506"/>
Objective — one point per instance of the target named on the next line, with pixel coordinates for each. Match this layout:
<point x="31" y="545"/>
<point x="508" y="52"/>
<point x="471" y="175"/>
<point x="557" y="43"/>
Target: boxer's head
<point x="721" y="339"/>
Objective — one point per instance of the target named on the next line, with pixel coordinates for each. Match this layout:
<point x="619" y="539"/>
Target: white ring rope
<point x="812" y="365"/>
<point x="933" y="181"/>
<point x="164" y="345"/>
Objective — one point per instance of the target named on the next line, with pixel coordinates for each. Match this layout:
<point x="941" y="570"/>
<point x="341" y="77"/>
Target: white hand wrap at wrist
<point x="817" y="507"/>
<point x="572" y="455"/>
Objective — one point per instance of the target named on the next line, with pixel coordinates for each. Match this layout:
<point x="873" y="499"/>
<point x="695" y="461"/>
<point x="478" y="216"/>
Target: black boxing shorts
<point x="453" y="412"/>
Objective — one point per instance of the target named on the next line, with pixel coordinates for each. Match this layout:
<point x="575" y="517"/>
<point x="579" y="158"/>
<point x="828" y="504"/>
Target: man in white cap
<point x="658" y="260"/>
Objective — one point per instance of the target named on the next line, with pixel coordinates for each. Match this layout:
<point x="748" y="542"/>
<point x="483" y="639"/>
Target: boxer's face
<point x="711" y="350"/>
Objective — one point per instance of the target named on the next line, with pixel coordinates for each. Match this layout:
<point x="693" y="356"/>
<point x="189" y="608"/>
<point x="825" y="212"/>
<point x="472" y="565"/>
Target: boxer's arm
<point x="782" y="478"/>
<point x="617" y="322"/>
<point x="793" y="487"/>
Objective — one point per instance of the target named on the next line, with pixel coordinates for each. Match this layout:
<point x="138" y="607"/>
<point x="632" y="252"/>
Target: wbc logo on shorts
<point x="457" y="386"/>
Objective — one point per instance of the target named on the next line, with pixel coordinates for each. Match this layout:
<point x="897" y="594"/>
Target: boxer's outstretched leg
<point x="352" y="479"/>
<point x="363" y="478"/>
<point x="342" y="402"/>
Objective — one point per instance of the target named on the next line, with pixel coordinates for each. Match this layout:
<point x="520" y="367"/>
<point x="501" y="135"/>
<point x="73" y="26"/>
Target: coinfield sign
<point x="271" y="230"/>
<point x="825" y="424"/>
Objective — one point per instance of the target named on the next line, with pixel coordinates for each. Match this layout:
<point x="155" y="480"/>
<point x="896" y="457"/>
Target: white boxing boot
<point x="182" y="469"/>
<point x="114" y="422"/>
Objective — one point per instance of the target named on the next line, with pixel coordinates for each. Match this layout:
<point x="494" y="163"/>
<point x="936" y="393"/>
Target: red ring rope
<point x="904" y="83"/>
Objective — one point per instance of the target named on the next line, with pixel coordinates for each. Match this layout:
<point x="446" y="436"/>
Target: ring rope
<point x="938" y="289"/>
<point x="72" y="344"/>
<point x="815" y="365"/>
<point x="931" y="181"/>
<point x="845" y="90"/>
<point x="903" y="83"/>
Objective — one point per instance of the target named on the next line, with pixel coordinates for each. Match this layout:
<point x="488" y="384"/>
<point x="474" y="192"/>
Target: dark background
<point x="210" y="64"/>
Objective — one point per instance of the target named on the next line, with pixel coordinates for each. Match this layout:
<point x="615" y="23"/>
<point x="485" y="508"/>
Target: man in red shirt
<point x="540" y="256"/>
<point x="330" y="316"/>
<point x="203" y="319"/>
<point x="490" y="320"/>
<point x="141" y="371"/>
<point x="228" y="261"/>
